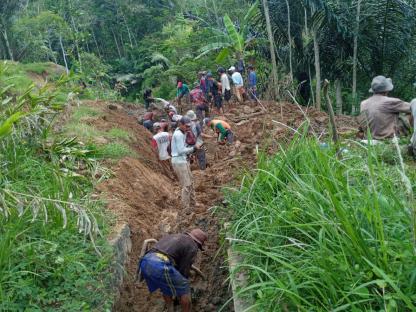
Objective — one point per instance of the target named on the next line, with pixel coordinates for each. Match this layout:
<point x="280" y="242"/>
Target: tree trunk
<point x="9" y="51"/>
<point x="317" y="70"/>
<point x="63" y="54"/>
<point x="338" y="92"/>
<point x="289" y="35"/>
<point x="116" y="42"/>
<point x="275" y="82"/>
<point x="355" y="57"/>
<point x="76" y="43"/>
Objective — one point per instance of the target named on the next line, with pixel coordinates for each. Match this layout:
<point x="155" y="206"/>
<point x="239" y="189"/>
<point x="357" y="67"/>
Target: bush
<point x="319" y="233"/>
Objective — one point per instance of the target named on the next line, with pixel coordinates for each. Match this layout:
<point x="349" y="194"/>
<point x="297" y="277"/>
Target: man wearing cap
<point x="380" y="113"/>
<point x="222" y="129"/>
<point x="180" y="163"/>
<point x="238" y="84"/>
<point x="167" y="266"/>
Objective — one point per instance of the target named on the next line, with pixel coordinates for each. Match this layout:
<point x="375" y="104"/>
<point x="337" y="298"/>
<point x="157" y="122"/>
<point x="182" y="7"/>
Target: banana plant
<point x="233" y="41"/>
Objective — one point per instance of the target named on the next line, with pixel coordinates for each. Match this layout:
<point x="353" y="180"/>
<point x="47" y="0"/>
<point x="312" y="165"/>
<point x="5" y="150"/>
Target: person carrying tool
<point x="380" y="113"/>
<point x="181" y="165"/>
<point x="222" y="130"/>
<point x="182" y="92"/>
<point x="167" y="266"/>
<point x="238" y="84"/>
<point x="197" y="134"/>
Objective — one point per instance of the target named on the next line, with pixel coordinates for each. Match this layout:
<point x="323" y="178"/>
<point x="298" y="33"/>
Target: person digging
<point x="222" y="130"/>
<point x="180" y="164"/>
<point x="167" y="266"/>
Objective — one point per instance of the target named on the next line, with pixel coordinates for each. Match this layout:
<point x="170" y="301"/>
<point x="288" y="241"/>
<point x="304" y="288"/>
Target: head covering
<point x="381" y="84"/>
<point x="207" y="121"/>
<point x="191" y="115"/>
<point x="156" y="126"/>
<point x="185" y="121"/>
<point x="221" y="70"/>
<point x="232" y="68"/>
<point x="199" y="237"/>
<point x="209" y="75"/>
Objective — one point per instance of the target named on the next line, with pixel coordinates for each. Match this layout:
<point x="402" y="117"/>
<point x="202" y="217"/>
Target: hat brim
<point x="197" y="241"/>
<point x="389" y="87"/>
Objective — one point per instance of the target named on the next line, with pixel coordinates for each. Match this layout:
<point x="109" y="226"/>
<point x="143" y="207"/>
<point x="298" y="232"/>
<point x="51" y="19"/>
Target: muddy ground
<point x="145" y="196"/>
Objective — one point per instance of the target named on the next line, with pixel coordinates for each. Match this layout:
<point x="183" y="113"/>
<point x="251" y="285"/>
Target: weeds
<point x="50" y="231"/>
<point x="319" y="233"/>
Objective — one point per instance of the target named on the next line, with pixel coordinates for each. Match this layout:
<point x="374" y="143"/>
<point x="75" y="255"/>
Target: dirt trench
<point x="144" y="195"/>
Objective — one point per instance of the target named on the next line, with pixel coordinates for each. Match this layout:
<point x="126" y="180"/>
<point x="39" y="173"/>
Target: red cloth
<point x="197" y="96"/>
<point x="148" y="116"/>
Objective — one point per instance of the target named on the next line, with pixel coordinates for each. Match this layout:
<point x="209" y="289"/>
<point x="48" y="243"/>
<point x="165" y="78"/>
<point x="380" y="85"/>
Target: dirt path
<point x="141" y="194"/>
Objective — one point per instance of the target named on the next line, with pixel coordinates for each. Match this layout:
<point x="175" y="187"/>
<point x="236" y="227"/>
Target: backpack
<point x="190" y="138"/>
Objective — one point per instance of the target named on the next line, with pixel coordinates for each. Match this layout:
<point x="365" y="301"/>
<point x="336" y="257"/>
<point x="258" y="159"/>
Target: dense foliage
<point x="323" y="231"/>
<point x="53" y="256"/>
<point x="138" y="44"/>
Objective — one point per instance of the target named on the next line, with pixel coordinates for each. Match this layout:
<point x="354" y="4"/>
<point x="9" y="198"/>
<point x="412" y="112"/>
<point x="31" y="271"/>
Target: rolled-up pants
<point x="184" y="174"/>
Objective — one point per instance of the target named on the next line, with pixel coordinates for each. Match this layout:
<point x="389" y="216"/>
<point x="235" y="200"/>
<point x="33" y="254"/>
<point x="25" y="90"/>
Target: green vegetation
<point x="114" y="151"/>
<point x="54" y="255"/>
<point x="319" y="232"/>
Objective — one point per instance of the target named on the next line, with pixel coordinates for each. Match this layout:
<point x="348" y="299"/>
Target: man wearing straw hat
<point x="167" y="266"/>
<point x="380" y="113"/>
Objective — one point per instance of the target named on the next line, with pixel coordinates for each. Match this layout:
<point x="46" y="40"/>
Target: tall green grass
<point x="53" y="251"/>
<point x="318" y="232"/>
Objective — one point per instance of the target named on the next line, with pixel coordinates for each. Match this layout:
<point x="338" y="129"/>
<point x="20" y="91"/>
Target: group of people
<point x="179" y="138"/>
<point x="178" y="141"/>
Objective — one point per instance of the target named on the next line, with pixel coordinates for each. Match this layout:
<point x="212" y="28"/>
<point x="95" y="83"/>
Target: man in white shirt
<point x="238" y="84"/>
<point x="225" y="84"/>
<point x="180" y="163"/>
<point x="161" y="145"/>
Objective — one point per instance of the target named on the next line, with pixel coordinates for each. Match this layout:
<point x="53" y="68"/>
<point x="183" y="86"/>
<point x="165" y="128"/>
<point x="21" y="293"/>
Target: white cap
<point x="232" y="68"/>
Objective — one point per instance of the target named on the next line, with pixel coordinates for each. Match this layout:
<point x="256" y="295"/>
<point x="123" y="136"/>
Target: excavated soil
<point x="142" y="193"/>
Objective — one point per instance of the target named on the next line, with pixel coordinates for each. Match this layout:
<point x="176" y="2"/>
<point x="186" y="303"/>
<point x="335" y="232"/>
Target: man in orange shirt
<point x="222" y="129"/>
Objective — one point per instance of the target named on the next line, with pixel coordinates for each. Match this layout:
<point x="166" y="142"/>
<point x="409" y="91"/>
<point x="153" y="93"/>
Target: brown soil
<point x="141" y="194"/>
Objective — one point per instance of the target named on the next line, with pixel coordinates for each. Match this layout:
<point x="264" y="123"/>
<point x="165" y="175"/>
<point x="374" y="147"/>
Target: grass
<point x="54" y="255"/>
<point x="117" y="133"/>
<point x="322" y="233"/>
<point x="114" y="151"/>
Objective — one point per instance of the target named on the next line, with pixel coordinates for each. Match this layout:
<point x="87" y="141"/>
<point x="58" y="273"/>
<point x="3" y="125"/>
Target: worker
<point x="197" y="132"/>
<point x="238" y="84"/>
<point x="380" y="113"/>
<point x="182" y="92"/>
<point x="161" y="145"/>
<point x="201" y="105"/>
<point x="222" y="130"/>
<point x="215" y="91"/>
<point x="148" y="120"/>
<point x="252" y="82"/>
<point x="225" y="84"/>
<point x="181" y="165"/>
<point x="174" y="118"/>
<point x="169" y="107"/>
<point x="167" y="266"/>
<point x="148" y="98"/>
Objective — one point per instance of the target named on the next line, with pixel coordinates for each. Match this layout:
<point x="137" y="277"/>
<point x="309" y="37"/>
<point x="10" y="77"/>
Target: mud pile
<point x="141" y="193"/>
